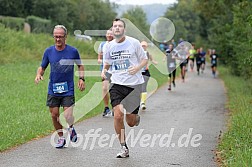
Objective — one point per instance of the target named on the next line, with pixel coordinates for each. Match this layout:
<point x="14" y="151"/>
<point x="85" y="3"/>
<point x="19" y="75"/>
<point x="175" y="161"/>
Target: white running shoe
<point x="124" y="153"/>
<point x="61" y="143"/>
<point x="108" y="114"/>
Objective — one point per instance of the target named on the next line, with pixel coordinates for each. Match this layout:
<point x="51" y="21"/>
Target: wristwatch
<point x="82" y="78"/>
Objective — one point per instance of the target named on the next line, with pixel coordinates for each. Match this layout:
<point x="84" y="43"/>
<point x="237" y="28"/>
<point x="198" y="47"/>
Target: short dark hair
<point x="118" y="19"/>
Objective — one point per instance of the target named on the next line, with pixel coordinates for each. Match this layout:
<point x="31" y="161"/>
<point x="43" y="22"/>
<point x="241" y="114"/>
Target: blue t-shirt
<point x="203" y="56"/>
<point x="62" y="69"/>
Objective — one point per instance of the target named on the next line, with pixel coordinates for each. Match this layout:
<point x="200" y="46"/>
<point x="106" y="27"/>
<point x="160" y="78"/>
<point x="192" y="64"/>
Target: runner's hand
<point x="38" y="78"/>
<point x="133" y="70"/>
<point x="99" y="61"/>
<point x="103" y="74"/>
<point x="154" y="62"/>
<point x="81" y="85"/>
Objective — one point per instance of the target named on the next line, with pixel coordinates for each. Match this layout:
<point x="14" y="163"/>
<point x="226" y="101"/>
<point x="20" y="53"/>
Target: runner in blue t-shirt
<point x="203" y="59"/>
<point x="61" y="58"/>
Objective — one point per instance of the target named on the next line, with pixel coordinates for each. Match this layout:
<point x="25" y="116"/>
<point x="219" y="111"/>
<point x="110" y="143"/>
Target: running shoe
<point x="61" y="143"/>
<point x="109" y="114"/>
<point x="169" y="87"/>
<point x="73" y="135"/>
<point x="106" y="111"/>
<point x="124" y="153"/>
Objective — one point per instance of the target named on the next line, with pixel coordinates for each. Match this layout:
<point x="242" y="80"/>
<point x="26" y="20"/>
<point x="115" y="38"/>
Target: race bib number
<point x="120" y="65"/>
<point x="213" y="62"/>
<point x="171" y="65"/>
<point x="202" y="59"/>
<point x="60" y="87"/>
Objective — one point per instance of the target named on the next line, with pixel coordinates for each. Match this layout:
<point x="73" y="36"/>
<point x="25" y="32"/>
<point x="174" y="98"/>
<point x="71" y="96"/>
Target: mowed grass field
<point x="23" y="114"/>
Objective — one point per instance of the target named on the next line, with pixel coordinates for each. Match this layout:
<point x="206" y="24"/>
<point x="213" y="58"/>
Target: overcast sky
<point x="143" y="2"/>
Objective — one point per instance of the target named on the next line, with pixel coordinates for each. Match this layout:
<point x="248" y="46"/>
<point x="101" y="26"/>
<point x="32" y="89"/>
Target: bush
<point x="39" y="25"/>
<point x="15" y="23"/>
<point x="20" y="47"/>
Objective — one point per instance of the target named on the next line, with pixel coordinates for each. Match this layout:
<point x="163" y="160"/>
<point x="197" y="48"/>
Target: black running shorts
<point x="57" y="101"/>
<point x="128" y="96"/>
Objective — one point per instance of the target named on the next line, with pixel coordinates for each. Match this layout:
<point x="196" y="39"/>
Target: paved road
<point x="179" y="128"/>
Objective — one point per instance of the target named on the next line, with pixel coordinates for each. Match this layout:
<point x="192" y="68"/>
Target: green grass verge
<point x="235" y="147"/>
<point x="17" y="46"/>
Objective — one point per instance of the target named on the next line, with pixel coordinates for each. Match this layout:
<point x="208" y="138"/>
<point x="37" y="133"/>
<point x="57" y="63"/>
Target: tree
<point x="94" y="15"/>
<point x="185" y="18"/>
<point x="21" y="8"/>
<point x="138" y="17"/>
<point x="241" y="42"/>
<point x="74" y="14"/>
<point x="228" y="25"/>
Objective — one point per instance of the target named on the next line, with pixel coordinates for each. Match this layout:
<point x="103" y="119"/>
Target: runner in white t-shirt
<point x="126" y="58"/>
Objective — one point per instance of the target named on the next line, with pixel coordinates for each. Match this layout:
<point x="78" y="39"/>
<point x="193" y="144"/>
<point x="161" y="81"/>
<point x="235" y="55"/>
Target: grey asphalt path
<point x="179" y="128"/>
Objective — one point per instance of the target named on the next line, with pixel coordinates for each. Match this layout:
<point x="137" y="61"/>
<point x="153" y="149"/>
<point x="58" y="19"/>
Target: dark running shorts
<point x="128" y="96"/>
<point x="191" y="59"/>
<point x="57" y="101"/>
<point x="182" y="64"/>
<point x="146" y="73"/>
<point x="214" y="65"/>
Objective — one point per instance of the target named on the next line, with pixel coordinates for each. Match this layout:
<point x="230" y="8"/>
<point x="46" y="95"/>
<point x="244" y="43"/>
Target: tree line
<point x="74" y="14"/>
<point x="224" y="25"/>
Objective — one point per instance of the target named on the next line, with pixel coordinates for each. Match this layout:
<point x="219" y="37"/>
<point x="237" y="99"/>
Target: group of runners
<point x="183" y="55"/>
<point x="124" y="73"/>
<point x="123" y="60"/>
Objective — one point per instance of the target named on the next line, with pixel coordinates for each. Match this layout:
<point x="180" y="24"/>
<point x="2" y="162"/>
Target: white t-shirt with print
<point x="123" y="55"/>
